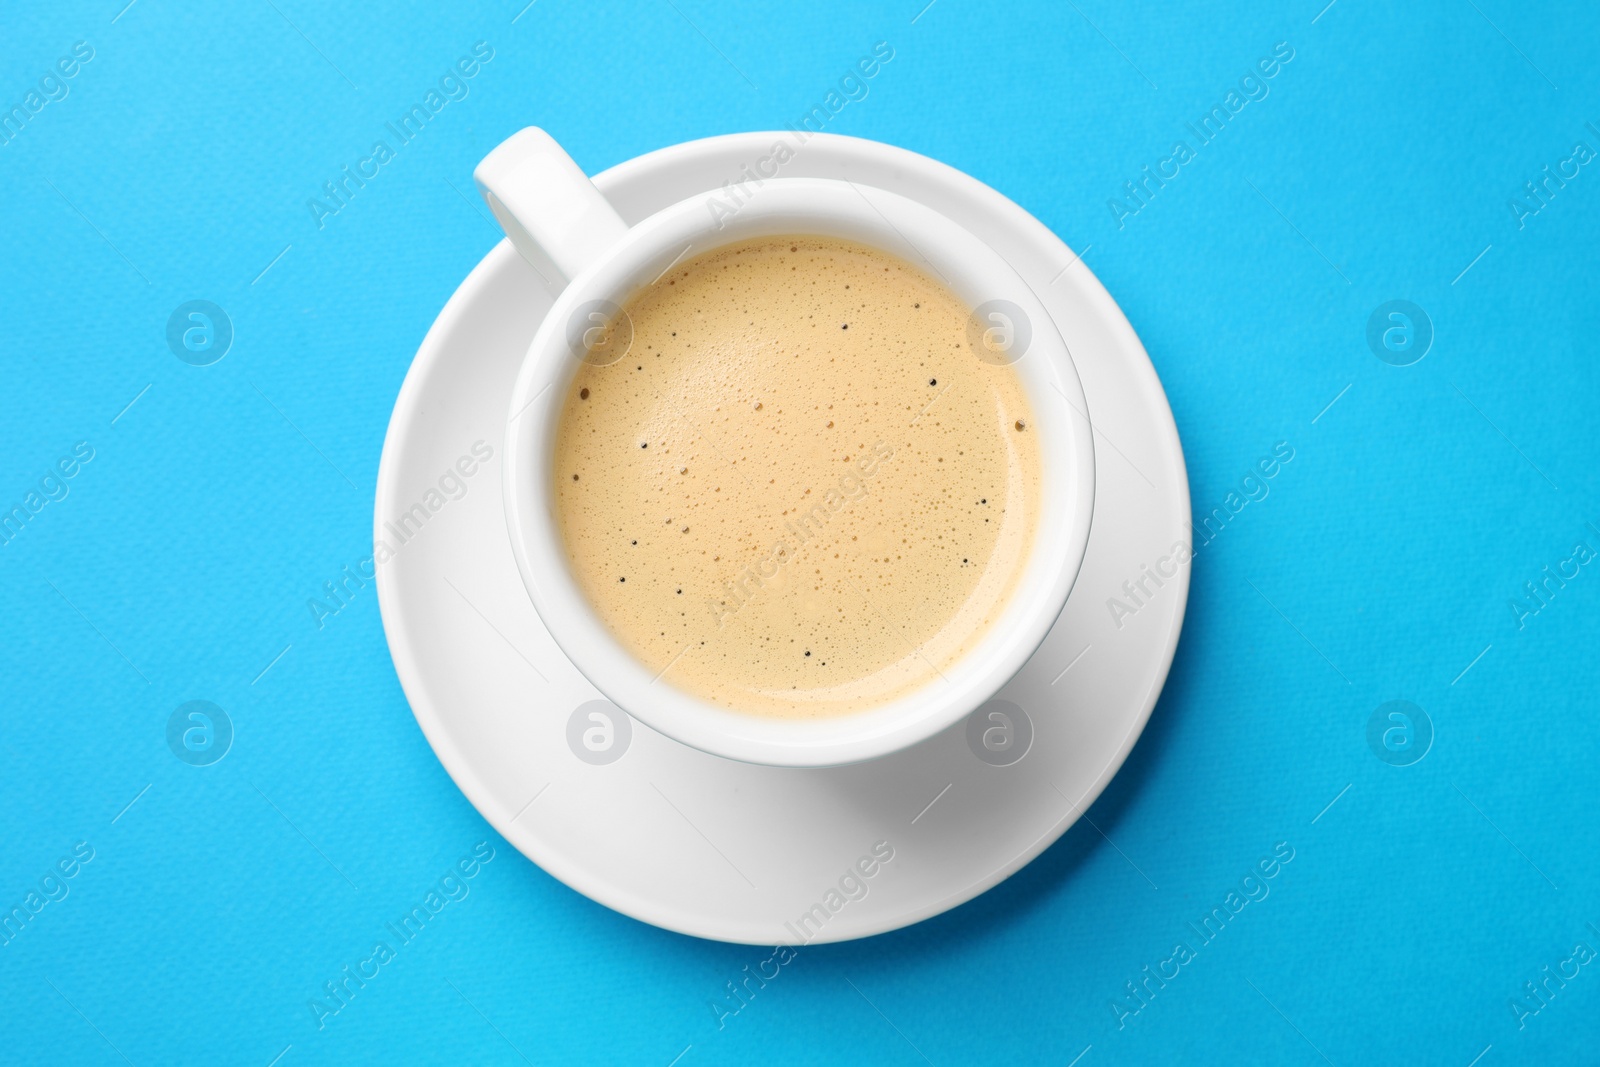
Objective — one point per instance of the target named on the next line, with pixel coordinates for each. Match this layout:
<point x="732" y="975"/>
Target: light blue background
<point x="1383" y="562"/>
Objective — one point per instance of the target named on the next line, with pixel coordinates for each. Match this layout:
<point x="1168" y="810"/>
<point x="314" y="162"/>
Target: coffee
<point x="800" y="491"/>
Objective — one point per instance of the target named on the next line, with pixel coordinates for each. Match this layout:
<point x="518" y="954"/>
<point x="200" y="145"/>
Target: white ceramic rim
<point x="976" y="273"/>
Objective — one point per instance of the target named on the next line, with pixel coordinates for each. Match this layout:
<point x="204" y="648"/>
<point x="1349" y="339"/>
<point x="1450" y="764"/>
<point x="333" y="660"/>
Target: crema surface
<point x="799" y="492"/>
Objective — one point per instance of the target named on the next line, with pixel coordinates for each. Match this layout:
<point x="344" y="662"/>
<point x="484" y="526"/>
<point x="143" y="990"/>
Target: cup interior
<point x="984" y="282"/>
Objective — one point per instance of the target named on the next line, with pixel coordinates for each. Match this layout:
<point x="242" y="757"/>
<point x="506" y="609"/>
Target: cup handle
<point x="549" y="208"/>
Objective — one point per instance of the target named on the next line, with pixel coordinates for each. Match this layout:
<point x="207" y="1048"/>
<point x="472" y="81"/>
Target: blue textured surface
<point x="1385" y="563"/>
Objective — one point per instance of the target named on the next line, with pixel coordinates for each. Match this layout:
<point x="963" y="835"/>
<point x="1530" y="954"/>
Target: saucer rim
<point x="409" y="406"/>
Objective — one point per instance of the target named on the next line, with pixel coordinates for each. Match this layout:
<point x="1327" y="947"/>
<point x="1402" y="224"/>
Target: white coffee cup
<point x="572" y="236"/>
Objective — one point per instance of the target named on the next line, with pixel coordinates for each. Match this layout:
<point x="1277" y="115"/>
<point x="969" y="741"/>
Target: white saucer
<point x="724" y="850"/>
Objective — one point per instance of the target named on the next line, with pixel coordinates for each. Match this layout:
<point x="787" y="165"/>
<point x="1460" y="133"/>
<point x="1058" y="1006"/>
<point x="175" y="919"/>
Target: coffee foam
<point x="800" y="492"/>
